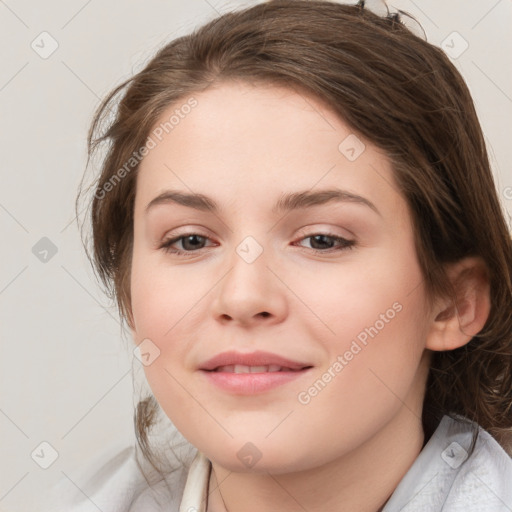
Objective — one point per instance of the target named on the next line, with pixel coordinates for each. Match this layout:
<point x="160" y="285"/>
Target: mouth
<point x="251" y="373"/>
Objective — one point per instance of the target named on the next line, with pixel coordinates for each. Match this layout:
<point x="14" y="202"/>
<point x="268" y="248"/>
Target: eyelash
<point x="346" y="244"/>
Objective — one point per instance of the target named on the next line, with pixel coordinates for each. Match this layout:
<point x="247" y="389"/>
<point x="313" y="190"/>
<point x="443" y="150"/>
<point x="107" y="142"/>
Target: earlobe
<point x="453" y="325"/>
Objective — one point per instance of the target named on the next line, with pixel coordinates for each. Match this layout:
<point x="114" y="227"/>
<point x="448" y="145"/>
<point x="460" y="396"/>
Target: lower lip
<point x="251" y="383"/>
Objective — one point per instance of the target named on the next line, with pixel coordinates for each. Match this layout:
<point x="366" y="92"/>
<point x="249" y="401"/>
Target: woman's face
<point x="333" y="285"/>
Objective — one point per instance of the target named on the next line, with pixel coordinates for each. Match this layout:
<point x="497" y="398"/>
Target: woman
<point x="298" y="220"/>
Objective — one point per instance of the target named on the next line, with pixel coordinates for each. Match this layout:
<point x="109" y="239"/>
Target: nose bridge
<point x="249" y="291"/>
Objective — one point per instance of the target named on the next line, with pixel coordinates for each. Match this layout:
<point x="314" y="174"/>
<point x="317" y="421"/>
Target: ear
<point x="455" y="324"/>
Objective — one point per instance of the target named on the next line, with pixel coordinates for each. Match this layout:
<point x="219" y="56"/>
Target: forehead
<point x="253" y="142"/>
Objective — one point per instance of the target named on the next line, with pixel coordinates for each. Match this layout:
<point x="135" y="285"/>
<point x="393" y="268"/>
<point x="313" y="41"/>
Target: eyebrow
<point x="286" y="203"/>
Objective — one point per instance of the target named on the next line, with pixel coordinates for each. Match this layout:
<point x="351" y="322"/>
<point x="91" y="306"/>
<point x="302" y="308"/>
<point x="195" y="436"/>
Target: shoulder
<point x="447" y="476"/>
<point x="121" y="483"/>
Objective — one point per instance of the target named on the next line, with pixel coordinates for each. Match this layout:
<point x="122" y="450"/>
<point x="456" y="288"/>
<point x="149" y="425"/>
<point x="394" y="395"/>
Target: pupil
<point x="190" y="238"/>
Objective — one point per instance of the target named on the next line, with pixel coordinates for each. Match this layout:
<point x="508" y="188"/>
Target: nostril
<point x="265" y="314"/>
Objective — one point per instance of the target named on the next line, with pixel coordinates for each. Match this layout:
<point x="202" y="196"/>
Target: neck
<point x="361" y="480"/>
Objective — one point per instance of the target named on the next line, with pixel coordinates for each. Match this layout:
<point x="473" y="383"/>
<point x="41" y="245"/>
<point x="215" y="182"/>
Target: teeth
<point x="240" y="368"/>
<point x="257" y="369"/>
<point x="228" y="369"/>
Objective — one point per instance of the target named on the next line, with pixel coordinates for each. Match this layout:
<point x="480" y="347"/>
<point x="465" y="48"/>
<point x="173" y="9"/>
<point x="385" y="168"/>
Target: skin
<point x="350" y="445"/>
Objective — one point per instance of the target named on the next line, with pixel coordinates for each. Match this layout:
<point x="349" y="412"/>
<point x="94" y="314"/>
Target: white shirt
<point x="440" y="479"/>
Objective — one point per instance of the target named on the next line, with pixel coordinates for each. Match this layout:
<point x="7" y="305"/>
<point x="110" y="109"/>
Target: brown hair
<point x="393" y="88"/>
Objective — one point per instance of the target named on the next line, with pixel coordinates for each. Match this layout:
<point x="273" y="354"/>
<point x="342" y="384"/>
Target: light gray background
<point x="65" y="370"/>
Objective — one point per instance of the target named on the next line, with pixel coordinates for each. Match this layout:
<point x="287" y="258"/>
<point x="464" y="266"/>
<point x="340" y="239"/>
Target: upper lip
<point x="258" y="358"/>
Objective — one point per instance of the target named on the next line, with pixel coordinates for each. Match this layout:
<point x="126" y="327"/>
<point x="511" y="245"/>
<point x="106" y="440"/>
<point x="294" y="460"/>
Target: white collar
<point x="195" y="493"/>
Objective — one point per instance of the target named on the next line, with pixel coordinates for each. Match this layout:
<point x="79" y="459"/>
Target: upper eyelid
<point x="305" y="231"/>
<point x="303" y="234"/>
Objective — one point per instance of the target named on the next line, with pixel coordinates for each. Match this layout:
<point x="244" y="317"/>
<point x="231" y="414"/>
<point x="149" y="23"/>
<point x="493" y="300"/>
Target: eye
<point x="190" y="242"/>
<point x="321" y="240"/>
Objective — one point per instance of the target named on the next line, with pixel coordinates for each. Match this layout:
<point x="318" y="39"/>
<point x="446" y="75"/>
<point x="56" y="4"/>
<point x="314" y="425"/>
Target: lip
<point x="258" y="358"/>
<point x="251" y="383"/>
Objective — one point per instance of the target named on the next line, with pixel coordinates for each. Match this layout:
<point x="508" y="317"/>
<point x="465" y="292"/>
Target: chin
<point x="261" y="457"/>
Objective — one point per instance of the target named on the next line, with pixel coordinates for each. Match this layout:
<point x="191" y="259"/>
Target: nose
<point x="250" y="294"/>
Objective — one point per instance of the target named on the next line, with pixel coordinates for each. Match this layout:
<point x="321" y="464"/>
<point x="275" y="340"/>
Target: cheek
<point x="368" y="298"/>
<point x="372" y="327"/>
<point x="364" y="383"/>
<point x="160" y="296"/>
<point x="167" y="310"/>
